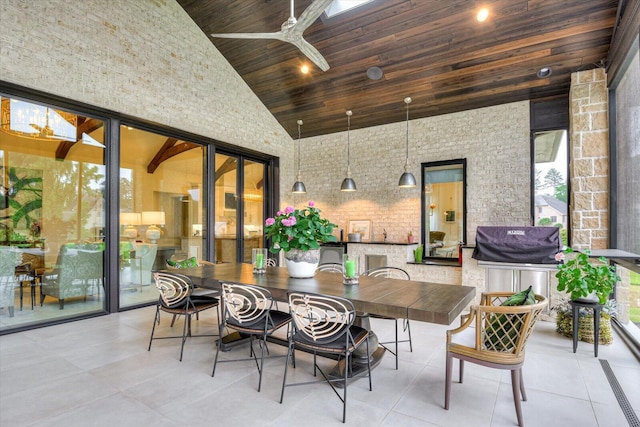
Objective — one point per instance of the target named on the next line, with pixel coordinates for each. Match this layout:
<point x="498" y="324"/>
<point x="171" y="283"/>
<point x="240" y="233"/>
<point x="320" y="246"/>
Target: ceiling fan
<point x="291" y="32"/>
<point x="46" y="131"/>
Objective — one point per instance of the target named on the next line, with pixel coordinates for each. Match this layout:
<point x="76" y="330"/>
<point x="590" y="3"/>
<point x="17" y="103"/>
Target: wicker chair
<point x="394" y="273"/>
<point x="176" y="299"/>
<point x="495" y="336"/>
<point x="249" y="310"/>
<point x="324" y="324"/>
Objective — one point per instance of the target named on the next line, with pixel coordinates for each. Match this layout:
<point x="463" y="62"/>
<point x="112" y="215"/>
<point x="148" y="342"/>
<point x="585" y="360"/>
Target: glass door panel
<point x="226" y="208"/>
<point x="52" y="214"/>
<point x="253" y="197"/>
<point x="161" y="208"/>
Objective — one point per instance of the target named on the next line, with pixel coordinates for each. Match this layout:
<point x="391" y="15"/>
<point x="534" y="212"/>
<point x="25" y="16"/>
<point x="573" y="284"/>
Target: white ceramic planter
<point x="302" y="264"/>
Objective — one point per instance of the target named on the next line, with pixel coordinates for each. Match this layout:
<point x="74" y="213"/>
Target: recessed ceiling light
<point x="544" y="72"/>
<point x="304" y="69"/>
<point x="374" y="73"/>
<point x="482" y="15"/>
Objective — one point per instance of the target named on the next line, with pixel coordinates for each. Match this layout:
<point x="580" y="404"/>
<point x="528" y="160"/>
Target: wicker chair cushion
<point x="526" y="297"/>
<point x="503" y="329"/>
<point x="187" y="263"/>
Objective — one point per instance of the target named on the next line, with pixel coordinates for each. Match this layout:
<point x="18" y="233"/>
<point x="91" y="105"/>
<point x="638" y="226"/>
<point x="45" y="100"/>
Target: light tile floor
<point x="98" y="372"/>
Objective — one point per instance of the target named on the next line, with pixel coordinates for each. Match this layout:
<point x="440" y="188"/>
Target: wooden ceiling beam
<point x="171" y="147"/>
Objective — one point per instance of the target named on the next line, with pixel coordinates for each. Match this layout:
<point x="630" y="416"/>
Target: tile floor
<point x="98" y="372"/>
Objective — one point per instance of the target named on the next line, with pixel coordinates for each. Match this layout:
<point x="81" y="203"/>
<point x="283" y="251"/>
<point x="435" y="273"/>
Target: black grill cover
<point x="529" y="245"/>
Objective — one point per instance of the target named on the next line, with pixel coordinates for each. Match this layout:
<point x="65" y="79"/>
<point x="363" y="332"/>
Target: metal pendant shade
<point x="348" y="184"/>
<point x="407" y="180"/>
<point x="298" y="186"/>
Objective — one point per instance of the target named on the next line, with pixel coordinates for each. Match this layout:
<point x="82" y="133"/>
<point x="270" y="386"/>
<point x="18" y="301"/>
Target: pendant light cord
<point x="407" y="101"/>
<point x="349" y="113"/>
<point x="299" y="124"/>
<point x="348" y="141"/>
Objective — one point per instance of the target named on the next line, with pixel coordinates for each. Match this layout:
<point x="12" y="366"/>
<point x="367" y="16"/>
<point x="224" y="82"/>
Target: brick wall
<point x="143" y="58"/>
<point x="498" y="169"/>
<point x="589" y="166"/>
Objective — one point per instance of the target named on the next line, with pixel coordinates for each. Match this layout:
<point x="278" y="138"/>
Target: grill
<point x="517" y="257"/>
<point x="519" y="245"/>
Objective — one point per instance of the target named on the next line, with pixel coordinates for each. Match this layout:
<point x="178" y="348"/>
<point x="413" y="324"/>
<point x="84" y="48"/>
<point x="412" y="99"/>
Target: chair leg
<point x="408" y="328"/>
<point x="286" y="367"/>
<point x="447" y="380"/>
<point x="156" y="320"/>
<point x="219" y="343"/>
<point x="396" y="344"/>
<point x="187" y="320"/>
<point x="515" y="386"/>
<point x="461" y="370"/>
<point x="347" y="361"/>
<point x="262" y="346"/>
<point x="369" y="366"/>
<point x="522" y="392"/>
<point x="173" y="320"/>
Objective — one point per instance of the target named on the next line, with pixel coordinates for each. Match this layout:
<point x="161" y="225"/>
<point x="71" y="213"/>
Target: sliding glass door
<point x="239" y="207"/>
<point x="161" y="208"/>
<point x="52" y="214"/>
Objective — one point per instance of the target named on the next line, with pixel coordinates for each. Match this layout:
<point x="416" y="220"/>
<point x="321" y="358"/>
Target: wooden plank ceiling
<point x="432" y="50"/>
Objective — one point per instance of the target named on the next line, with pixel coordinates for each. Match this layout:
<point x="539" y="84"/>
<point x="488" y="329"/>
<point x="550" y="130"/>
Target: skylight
<point x="340" y="6"/>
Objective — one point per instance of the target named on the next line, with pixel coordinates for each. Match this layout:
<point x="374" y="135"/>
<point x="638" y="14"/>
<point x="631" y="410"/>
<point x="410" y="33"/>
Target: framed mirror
<point x="443" y="209"/>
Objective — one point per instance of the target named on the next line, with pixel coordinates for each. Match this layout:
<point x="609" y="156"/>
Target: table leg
<point x="575" y="321"/>
<point x="596" y="329"/>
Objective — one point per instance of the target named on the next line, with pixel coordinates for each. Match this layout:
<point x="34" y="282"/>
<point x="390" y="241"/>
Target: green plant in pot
<point x="580" y="278"/>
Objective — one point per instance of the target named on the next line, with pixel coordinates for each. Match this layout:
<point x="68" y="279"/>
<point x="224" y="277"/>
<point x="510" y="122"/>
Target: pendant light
<point x="348" y="184"/>
<point x="298" y="186"/>
<point x="407" y="180"/>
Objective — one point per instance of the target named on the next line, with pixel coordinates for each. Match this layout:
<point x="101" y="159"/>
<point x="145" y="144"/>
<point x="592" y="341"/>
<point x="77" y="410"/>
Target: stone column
<point x="589" y="165"/>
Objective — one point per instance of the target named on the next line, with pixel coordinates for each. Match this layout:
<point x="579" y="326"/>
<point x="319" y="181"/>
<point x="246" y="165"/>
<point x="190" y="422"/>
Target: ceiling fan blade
<point x="312" y="53"/>
<point x="293" y="33"/>
<point x="275" y="36"/>
<point x="312" y="13"/>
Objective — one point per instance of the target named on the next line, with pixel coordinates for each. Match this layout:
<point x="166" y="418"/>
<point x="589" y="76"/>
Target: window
<point x="625" y="181"/>
<point x="550" y="175"/>
<point x="444" y="208"/>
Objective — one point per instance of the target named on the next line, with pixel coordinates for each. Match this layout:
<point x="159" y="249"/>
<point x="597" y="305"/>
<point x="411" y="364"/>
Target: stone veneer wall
<point x="589" y="165"/>
<point x="497" y="150"/>
<point x="144" y="58"/>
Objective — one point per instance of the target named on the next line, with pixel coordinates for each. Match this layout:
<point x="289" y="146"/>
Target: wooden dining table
<point x="396" y="298"/>
<point x="407" y="299"/>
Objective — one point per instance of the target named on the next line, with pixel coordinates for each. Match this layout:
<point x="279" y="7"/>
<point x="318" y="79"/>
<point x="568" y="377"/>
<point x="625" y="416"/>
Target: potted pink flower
<point x="299" y="233"/>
